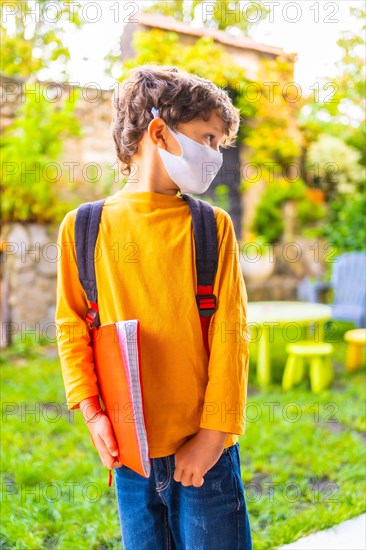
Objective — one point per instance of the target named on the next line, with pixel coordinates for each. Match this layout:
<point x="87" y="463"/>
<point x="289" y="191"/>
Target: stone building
<point x="28" y="266"/>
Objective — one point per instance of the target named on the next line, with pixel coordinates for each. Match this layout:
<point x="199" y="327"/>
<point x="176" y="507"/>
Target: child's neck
<point x="149" y="186"/>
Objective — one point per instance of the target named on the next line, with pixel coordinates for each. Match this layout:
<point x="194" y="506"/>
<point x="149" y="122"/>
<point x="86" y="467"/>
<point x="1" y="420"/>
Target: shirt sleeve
<point x="73" y="340"/>
<point x="228" y="338"/>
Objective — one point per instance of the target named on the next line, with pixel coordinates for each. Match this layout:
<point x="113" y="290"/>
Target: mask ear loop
<point x="155" y="112"/>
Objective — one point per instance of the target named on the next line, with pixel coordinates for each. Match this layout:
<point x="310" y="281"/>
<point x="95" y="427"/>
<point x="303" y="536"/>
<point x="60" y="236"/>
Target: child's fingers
<point x="197" y="481"/>
<point x="111" y="445"/>
<point x="177" y="476"/>
<point x="105" y="441"/>
<point x="107" y="459"/>
<point x="110" y="442"/>
<point x="107" y="435"/>
<point x="187" y="478"/>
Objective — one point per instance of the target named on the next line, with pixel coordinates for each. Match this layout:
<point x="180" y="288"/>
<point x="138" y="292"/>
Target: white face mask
<point x="194" y="170"/>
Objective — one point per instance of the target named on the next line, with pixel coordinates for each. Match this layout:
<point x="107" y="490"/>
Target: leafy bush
<point x="222" y="196"/>
<point x="268" y="220"/>
<point x="335" y="165"/>
<point x="32" y="179"/>
<point x="23" y="348"/>
<point x="345" y="227"/>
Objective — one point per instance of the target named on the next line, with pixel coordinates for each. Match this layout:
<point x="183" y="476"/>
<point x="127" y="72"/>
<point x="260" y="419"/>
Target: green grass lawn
<point x="302" y="459"/>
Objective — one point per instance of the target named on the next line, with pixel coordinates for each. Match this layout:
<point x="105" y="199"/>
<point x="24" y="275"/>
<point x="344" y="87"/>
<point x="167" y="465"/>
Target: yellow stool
<point x="321" y="367"/>
<point x="356" y="341"/>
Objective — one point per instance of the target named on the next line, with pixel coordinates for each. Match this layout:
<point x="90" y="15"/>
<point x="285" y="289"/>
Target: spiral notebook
<point x="117" y="360"/>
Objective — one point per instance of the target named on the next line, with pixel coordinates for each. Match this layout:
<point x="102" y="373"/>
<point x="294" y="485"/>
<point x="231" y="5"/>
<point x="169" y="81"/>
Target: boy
<point x="167" y="128"/>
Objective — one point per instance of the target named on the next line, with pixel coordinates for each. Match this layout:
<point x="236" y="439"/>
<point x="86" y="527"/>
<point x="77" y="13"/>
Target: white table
<point x="266" y="316"/>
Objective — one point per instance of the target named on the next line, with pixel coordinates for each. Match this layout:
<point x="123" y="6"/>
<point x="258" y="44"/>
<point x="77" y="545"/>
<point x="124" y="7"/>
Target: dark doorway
<point x="224" y="190"/>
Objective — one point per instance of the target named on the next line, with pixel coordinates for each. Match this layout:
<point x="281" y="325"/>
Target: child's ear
<point x="157" y="132"/>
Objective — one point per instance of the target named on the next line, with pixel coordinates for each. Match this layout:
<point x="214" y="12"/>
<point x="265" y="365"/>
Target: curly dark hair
<point x="180" y="97"/>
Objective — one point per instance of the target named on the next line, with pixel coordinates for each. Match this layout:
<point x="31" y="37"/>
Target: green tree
<point x="341" y="112"/>
<point x="273" y="147"/>
<point x="34" y="185"/>
<point x="334" y="130"/>
<point x="269" y="221"/>
<point x="219" y="14"/>
<point x="267" y="120"/>
<point x="32" y="43"/>
<point x="239" y="17"/>
<point x="345" y="225"/>
<point x="335" y="165"/>
<point x="204" y="57"/>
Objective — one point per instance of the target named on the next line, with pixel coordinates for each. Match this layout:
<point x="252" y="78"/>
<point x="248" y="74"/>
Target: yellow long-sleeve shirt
<point x="145" y="269"/>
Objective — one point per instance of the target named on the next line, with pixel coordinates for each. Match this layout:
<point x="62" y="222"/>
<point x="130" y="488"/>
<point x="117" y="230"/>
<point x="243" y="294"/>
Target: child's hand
<point x="103" y="437"/>
<point x="101" y="431"/>
<point x="198" y="455"/>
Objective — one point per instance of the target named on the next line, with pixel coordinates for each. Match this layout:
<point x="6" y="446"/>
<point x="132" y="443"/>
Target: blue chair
<point x="348" y="280"/>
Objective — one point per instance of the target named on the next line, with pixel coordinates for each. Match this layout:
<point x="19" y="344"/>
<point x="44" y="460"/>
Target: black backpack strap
<point x="87" y="222"/>
<point x="205" y="237"/>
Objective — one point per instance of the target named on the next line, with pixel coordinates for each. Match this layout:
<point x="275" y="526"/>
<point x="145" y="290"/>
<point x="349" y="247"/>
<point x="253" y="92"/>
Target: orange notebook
<point x="117" y="360"/>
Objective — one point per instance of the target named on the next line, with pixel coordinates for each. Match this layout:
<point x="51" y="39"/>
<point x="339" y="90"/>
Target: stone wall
<point x="277" y="276"/>
<point x="29" y="265"/>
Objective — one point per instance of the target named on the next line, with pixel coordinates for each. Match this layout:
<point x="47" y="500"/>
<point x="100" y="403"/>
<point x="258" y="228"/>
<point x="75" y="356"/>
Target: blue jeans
<point x="159" y="513"/>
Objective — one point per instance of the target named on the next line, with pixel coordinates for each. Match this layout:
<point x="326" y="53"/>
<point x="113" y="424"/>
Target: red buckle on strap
<point x="92" y="316"/>
<point x="206" y="301"/>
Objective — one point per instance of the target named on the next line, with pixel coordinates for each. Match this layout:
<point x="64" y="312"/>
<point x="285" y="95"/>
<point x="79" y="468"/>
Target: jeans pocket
<point x="234" y="458"/>
<point x="229" y="449"/>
